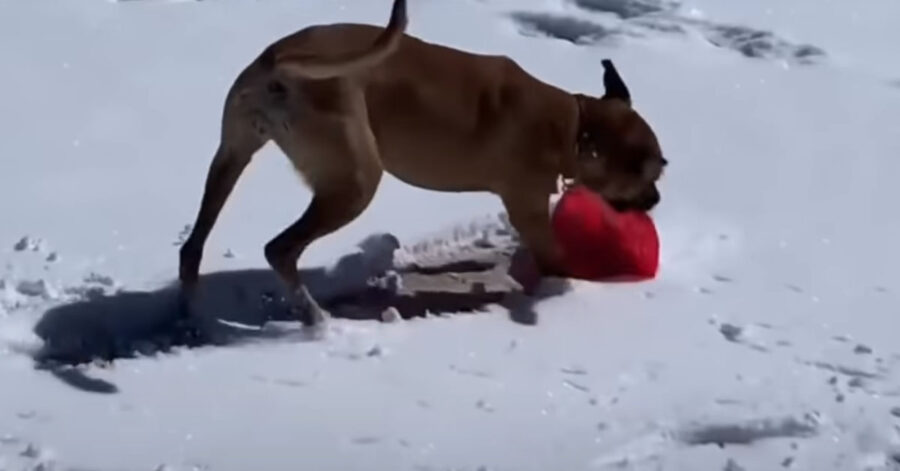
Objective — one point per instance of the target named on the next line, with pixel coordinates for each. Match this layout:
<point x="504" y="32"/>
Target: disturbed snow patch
<point x="758" y="44"/>
<point x="567" y="28"/>
<point x="482" y="239"/>
<point x="637" y="18"/>
<point x="626" y="9"/>
<point x="461" y="269"/>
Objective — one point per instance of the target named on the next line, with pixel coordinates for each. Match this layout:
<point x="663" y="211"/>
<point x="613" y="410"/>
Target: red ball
<point x="600" y="243"/>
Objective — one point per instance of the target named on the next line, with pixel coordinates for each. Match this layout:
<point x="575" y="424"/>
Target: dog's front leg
<point x="529" y="214"/>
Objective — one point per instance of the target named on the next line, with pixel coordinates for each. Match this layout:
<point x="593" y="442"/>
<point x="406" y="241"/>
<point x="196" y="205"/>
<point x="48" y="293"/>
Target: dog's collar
<point x="568" y="169"/>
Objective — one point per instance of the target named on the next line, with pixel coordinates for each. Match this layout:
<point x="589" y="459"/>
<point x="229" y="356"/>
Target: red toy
<point x="602" y="244"/>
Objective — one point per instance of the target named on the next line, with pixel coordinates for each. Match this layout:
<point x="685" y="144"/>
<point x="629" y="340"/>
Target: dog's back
<point x="443" y="119"/>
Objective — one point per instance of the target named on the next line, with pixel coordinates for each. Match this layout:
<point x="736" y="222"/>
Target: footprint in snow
<point x="576" y="386"/>
<point x="732" y="465"/>
<point x="863" y="350"/>
<point x="372" y="352"/>
<point x="574" y="370"/>
<point x="731" y="332"/>
<point x="29" y="244"/>
<point x="95" y="286"/>
<point x="641" y="450"/>
<point x="704" y="290"/>
<point x="484" y="405"/>
<point x="749" y="432"/>
<point x="742" y="336"/>
<point x="719" y="278"/>
<point x="85" y="292"/>
<point x="30" y="451"/>
<point x="366" y="440"/>
<point x="291" y="383"/>
<point x="844" y="370"/>
<point x="98" y="279"/>
<point x="794" y="288"/>
<point x="35" y="289"/>
<point x="471" y="372"/>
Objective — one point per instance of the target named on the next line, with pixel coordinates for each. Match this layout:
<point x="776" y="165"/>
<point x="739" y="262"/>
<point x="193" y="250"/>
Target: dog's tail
<point x="312" y="67"/>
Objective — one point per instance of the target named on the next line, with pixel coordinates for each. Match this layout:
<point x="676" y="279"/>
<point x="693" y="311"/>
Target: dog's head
<point x="618" y="154"/>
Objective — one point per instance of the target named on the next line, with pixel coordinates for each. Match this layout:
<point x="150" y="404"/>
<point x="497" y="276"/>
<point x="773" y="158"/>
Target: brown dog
<point x="346" y="102"/>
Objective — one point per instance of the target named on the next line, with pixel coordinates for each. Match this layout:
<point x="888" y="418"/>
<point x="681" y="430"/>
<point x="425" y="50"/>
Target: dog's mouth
<point x="644" y="201"/>
<point x="641" y="204"/>
<point x="626" y="206"/>
<point x="624" y="197"/>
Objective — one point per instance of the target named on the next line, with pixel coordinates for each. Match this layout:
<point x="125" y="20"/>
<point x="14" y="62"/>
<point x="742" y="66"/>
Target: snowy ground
<point x="769" y="340"/>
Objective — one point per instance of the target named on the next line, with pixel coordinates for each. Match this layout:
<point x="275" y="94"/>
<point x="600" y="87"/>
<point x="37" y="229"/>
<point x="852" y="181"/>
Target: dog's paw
<point x="524" y="270"/>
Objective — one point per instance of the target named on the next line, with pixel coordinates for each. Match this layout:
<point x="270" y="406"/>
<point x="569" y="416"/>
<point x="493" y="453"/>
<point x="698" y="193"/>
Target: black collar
<point x="581" y="143"/>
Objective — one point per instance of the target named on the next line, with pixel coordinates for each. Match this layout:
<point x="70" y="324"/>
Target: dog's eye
<point x="276" y="88"/>
<point x="634" y="167"/>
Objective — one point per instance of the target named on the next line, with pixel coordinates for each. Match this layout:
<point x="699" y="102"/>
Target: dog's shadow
<point x="233" y="307"/>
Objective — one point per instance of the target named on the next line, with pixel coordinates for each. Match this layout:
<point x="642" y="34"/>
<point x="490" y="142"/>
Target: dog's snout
<point x="646" y="201"/>
<point x="650" y="199"/>
<point x="654" y="196"/>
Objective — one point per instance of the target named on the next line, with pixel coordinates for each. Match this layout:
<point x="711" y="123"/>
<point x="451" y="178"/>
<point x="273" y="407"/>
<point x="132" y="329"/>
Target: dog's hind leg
<point x="236" y="148"/>
<point x="344" y="178"/>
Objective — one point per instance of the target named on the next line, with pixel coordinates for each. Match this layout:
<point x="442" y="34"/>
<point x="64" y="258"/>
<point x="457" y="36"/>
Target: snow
<point x="769" y="340"/>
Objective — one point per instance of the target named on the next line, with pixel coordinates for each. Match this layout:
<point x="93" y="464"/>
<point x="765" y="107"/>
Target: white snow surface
<point x="768" y="340"/>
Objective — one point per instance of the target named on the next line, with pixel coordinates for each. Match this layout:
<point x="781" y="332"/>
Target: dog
<point x="347" y="102"/>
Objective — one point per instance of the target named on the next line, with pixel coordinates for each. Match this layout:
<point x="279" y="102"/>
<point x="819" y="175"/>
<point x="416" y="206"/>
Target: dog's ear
<point x="613" y="83"/>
